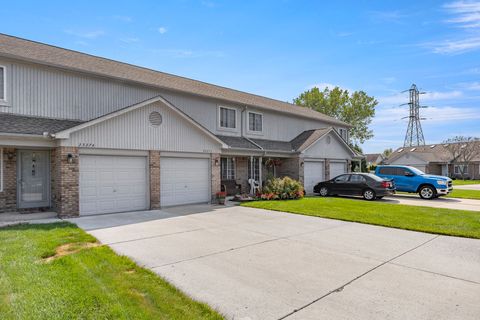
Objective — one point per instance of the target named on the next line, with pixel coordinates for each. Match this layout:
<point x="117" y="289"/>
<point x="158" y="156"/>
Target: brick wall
<point x="8" y="197"/>
<point x="65" y="181"/>
<point x="327" y="169"/>
<point x="291" y="167"/>
<point x="154" y="168"/>
<point x="216" y="175"/>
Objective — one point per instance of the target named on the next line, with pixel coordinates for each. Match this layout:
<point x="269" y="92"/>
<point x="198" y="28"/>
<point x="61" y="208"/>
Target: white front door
<point x="312" y="174"/>
<point x="112" y="184"/>
<point x="337" y="168"/>
<point x="33" y="178"/>
<point x="184" y="181"/>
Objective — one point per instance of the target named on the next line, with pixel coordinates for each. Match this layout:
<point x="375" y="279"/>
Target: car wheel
<point x="323" y="191"/>
<point x="427" y="193"/>
<point x="369" y="194"/>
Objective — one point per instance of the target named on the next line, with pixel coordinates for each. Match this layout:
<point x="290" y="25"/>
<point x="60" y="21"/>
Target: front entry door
<point x="33" y="179"/>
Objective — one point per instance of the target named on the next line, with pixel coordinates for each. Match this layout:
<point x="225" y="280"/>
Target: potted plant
<point x="221" y="197"/>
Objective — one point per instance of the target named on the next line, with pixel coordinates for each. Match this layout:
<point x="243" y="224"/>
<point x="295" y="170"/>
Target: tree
<point x="357" y="109"/>
<point x="463" y="150"/>
<point x="387" y="152"/>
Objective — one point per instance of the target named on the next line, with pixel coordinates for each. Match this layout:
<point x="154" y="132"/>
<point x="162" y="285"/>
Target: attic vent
<point x="400" y="150"/>
<point x="155" y="118"/>
<point x="329" y="139"/>
<point x="432" y="146"/>
<point x="413" y="149"/>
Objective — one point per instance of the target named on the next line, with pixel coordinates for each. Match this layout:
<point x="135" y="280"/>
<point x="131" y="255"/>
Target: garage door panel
<point x="313" y="174"/>
<point x="337" y="168"/>
<point x="184" y="181"/>
<point x="112" y="184"/>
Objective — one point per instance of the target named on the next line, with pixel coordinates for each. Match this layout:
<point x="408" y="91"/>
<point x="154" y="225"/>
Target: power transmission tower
<point x="414" y="135"/>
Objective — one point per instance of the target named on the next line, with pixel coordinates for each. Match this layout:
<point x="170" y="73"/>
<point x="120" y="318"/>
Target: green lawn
<point x="465" y="194"/>
<point x="440" y="221"/>
<point x="88" y="282"/>
<point x="464" y="182"/>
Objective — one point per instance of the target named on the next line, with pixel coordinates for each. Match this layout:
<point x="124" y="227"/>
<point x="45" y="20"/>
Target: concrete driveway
<point x="257" y="264"/>
<point x="442" y="202"/>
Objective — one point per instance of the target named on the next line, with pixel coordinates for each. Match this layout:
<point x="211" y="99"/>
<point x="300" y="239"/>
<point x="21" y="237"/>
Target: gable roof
<point x="16" y="124"/>
<point x="372" y="157"/>
<point x="428" y="153"/>
<point x="65" y="134"/>
<point x="18" y="48"/>
<point x="298" y="144"/>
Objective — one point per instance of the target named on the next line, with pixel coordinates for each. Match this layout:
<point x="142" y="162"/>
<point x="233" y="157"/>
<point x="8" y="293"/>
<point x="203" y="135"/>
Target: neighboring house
<point x="373" y="159"/>
<point x="80" y="134"/>
<point x="433" y="159"/>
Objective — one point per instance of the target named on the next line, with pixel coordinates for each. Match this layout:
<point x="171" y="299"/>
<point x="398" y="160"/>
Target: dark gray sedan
<point x="367" y="185"/>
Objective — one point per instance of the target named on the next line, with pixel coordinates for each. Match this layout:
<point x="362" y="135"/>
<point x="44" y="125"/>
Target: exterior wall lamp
<point x="70" y="158"/>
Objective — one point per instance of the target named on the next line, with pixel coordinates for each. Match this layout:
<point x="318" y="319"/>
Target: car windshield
<point x="416" y="171"/>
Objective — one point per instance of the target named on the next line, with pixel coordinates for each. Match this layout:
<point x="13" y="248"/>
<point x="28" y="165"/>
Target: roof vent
<point x="432" y="146"/>
<point x="400" y="150"/>
<point x="155" y="118"/>
<point x="413" y="149"/>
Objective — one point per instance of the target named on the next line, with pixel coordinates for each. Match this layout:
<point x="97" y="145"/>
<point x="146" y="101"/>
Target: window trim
<point x="248" y="122"/>
<point x="219" y="123"/>
<point x="5" y="95"/>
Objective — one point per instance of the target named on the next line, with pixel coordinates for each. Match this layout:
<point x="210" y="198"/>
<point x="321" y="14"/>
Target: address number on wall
<point x="86" y="145"/>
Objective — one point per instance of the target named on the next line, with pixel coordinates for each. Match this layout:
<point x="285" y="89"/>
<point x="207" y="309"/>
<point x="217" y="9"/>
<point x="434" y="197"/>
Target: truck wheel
<point x="427" y="193"/>
<point x="369" y="194"/>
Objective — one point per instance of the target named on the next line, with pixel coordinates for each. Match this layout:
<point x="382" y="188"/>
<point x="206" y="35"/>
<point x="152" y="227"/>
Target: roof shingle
<point x="10" y="123"/>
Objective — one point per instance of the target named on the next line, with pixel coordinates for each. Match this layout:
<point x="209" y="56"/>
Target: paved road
<point x="447" y="203"/>
<point x="257" y="264"/>
<point x="468" y="187"/>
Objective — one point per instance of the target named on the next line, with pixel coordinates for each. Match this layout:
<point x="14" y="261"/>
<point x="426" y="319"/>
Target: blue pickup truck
<point x="410" y="179"/>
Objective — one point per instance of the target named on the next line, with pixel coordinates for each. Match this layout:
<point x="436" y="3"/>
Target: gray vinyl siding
<point x="132" y="131"/>
<point x="324" y="150"/>
<point x="44" y="91"/>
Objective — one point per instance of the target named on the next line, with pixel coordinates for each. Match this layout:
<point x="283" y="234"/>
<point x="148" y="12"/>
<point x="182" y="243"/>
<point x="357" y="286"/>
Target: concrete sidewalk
<point x="468" y="187"/>
<point x="258" y="264"/>
<point x="442" y="202"/>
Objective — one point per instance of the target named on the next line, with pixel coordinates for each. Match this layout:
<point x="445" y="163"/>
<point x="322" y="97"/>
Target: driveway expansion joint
<point x="340" y="289"/>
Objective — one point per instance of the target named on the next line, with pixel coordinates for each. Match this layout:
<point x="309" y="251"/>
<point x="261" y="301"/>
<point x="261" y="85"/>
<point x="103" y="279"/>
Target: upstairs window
<point x="228" y="118"/>
<point x="255" y="122"/>
<point x="3" y="83"/>
<point x="343" y="133"/>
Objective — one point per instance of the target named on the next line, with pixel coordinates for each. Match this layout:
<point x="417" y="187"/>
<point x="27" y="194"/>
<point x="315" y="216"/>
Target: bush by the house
<point x="281" y="189"/>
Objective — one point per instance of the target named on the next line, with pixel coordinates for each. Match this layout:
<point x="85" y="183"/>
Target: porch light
<point x="301" y="163"/>
<point x="10" y="155"/>
<point x="70" y="158"/>
<point x="216" y="162"/>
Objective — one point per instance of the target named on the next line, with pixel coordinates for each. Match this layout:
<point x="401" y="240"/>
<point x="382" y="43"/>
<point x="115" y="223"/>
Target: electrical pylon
<point x="414" y="135"/>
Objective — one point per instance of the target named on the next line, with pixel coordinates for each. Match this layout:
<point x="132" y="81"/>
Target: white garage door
<point x="313" y="174"/>
<point x="184" y="181"/>
<point x="337" y="168"/>
<point x="112" y="184"/>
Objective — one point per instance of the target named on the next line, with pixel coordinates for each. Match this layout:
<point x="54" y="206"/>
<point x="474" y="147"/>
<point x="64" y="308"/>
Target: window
<point x="342" y="178"/>
<point x="389" y="171"/>
<point x="228" y="118"/>
<point x="343" y="133"/>
<point x="3" y="83"/>
<point x="256" y="169"/>
<point x="356" y="178"/>
<point x="459" y="168"/>
<point x="255" y="122"/>
<point x="227" y="167"/>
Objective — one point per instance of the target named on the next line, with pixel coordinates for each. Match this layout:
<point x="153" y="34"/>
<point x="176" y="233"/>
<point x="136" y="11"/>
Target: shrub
<point x="281" y="189"/>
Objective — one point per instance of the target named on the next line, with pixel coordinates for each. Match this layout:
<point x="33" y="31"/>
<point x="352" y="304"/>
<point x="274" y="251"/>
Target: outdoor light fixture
<point x="70" y="158"/>
<point x="10" y="155"/>
<point x="216" y="162"/>
<point x="301" y="164"/>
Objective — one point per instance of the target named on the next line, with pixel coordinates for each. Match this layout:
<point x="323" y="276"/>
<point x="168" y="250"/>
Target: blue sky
<point x="281" y="48"/>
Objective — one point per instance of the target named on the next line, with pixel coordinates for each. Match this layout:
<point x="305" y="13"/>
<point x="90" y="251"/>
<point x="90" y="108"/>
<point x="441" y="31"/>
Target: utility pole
<point x="414" y="135"/>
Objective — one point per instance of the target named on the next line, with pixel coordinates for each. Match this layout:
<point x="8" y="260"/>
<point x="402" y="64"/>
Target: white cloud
<point x="86" y="34"/>
<point x="455" y="46"/>
<point x="400" y="98"/>
<point x="162" y="30"/>
<point x="473" y="86"/>
<point x="466" y="14"/>
<point x="432" y="114"/>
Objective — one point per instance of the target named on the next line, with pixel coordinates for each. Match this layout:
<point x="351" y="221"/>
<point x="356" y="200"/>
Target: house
<point x="81" y="135"/>
<point x="434" y="159"/>
<point x="373" y="159"/>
